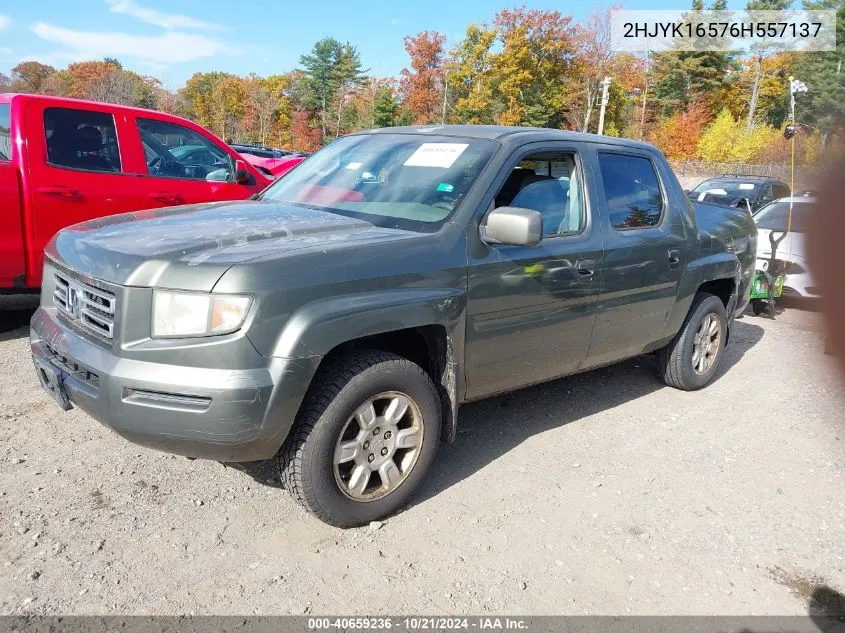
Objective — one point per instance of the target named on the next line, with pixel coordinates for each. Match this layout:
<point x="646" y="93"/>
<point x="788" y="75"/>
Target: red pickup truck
<point x="63" y="161"/>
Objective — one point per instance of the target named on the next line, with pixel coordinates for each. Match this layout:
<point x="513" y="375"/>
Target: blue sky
<point x="173" y="39"/>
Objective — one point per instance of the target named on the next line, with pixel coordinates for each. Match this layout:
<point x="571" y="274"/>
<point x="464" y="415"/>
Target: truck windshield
<point x="407" y="181"/>
<point x="775" y="217"/>
<point x="5" y="132"/>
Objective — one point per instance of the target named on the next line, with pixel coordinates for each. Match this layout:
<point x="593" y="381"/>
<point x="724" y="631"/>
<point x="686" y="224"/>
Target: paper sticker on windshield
<point x="436" y="155"/>
<point x="746" y="186"/>
<point x="445" y="187"/>
<point x="353" y="165"/>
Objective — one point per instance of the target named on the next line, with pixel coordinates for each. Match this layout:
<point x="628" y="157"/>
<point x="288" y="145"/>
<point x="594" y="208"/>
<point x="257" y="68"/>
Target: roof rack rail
<point x="747" y="176"/>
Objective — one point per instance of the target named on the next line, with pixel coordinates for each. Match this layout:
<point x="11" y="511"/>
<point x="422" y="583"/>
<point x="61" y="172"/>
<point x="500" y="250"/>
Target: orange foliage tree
<point x="421" y="84"/>
<point x="678" y="136"/>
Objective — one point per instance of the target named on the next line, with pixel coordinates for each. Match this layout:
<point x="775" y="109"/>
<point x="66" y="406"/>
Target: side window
<point x="548" y="182"/>
<point x="81" y="139"/>
<point x="174" y="151"/>
<point x="781" y="191"/>
<point x="767" y="194"/>
<point x="5" y="132"/>
<point x="634" y="197"/>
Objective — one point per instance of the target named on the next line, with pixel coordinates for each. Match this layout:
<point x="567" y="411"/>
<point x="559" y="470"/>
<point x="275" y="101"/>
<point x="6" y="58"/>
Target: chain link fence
<point x="692" y="172"/>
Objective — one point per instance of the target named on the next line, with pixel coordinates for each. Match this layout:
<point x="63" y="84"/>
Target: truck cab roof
<point x="503" y="132"/>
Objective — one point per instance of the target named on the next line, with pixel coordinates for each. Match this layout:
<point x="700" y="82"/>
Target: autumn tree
<point x="678" y="135"/>
<point x="534" y="65"/>
<point x="197" y="98"/>
<point x="469" y="73"/>
<point x="728" y="140"/>
<point x="422" y="83"/>
<point x="228" y="98"/>
<point x="5" y="83"/>
<point x="28" y="76"/>
<point x="306" y="137"/>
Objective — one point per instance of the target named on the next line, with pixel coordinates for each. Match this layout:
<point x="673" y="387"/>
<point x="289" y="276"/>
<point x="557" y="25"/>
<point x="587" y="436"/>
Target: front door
<point x="644" y="256"/>
<point x="530" y="309"/>
<point x="184" y="167"/>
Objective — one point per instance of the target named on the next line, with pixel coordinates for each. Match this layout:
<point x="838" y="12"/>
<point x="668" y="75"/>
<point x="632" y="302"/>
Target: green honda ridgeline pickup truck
<point x="338" y="321"/>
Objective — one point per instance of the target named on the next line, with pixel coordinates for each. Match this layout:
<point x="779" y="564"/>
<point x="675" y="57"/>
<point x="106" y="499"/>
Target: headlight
<point x="195" y="314"/>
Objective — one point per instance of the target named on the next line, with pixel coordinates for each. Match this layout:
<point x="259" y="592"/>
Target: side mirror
<point x="242" y="176"/>
<point x="513" y="225"/>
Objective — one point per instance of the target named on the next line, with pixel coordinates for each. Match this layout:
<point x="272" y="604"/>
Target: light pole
<point x="605" y="84"/>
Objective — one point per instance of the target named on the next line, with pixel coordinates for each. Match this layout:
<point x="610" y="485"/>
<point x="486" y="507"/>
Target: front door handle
<point x="674" y="258"/>
<point x="165" y="196"/>
<point x="586" y="267"/>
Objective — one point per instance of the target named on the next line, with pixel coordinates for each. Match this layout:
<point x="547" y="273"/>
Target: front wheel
<point x="691" y="360"/>
<point x="759" y="306"/>
<point x="363" y="440"/>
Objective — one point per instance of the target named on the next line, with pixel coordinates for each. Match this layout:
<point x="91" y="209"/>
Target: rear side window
<point x="174" y="151"/>
<point x="5" y="131"/>
<point x="634" y="197"/>
<point x="81" y="139"/>
<point x="781" y="191"/>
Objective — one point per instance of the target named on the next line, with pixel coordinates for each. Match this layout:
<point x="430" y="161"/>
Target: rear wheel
<point x="691" y="360"/>
<point x="759" y="306"/>
<point x="363" y="440"/>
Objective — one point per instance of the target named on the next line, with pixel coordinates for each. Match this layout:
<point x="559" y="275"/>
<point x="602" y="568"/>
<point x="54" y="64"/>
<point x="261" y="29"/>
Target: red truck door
<point x="76" y="169"/>
<point x="179" y="164"/>
<point x="11" y="230"/>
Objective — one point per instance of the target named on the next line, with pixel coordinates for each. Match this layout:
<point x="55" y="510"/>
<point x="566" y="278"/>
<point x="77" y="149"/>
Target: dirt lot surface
<point x="603" y="493"/>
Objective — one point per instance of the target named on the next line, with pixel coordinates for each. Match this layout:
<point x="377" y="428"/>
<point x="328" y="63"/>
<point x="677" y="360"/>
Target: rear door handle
<point x="165" y="196"/>
<point x="674" y="258"/>
<point x="59" y="191"/>
<point x="586" y="267"/>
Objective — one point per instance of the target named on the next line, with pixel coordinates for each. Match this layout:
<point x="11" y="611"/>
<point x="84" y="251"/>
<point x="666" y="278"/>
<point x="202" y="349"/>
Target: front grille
<point x="73" y="368"/>
<point x="90" y="307"/>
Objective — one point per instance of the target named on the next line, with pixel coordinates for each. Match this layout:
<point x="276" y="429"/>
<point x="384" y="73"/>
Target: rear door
<point x="11" y="229"/>
<point x="644" y="254"/>
<point x="76" y="168"/>
<point x="181" y="165"/>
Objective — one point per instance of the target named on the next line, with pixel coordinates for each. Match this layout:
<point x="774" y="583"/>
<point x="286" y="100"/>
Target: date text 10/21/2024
<point x="417" y="623"/>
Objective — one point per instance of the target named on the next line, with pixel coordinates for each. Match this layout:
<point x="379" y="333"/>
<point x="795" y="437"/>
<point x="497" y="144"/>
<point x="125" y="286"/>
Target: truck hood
<point x="190" y="247"/>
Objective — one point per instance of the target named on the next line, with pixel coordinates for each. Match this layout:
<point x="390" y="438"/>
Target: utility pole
<point x="445" y="94"/>
<point x="605" y="84"/>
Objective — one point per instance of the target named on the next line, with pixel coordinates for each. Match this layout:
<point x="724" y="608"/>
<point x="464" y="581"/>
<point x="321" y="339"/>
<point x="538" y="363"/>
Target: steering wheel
<point x="154" y="164"/>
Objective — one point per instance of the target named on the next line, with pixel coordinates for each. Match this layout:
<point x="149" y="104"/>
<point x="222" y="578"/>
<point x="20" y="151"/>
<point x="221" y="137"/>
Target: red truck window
<point x="81" y="139"/>
<point x="5" y="132"/>
<point x="174" y="151"/>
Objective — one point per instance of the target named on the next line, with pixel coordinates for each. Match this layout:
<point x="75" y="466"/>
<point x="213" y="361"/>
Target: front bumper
<point x="229" y="415"/>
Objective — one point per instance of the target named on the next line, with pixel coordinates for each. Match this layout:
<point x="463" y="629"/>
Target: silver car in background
<point x="792" y="250"/>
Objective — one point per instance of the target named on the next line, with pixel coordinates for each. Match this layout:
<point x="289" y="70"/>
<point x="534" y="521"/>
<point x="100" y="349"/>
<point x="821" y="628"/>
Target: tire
<point x="675" y="361"/>
<point x="759" y="306"/>
<point x="335" y="411"/>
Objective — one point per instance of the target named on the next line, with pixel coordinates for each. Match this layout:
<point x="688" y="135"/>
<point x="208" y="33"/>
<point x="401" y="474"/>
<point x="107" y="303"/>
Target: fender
<point x="318" y="327"/>
<point x="699" y="271"/>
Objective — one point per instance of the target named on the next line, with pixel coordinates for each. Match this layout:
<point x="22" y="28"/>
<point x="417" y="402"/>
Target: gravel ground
<point x="605" y="493"/>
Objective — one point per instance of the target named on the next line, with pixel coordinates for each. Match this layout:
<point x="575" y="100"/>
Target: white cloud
<point x="394" y="22"/>
<point x="168" y="48"/>
<point x="169" y="21"/>
<point x="5" y="51"/>
<point x="4" y="21"/>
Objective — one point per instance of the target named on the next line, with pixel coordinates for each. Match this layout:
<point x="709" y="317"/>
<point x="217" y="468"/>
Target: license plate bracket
<point x="51" y="380"/>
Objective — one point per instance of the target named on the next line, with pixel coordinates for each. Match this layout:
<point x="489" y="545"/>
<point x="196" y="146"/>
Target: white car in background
<point x="791" y="251"/>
